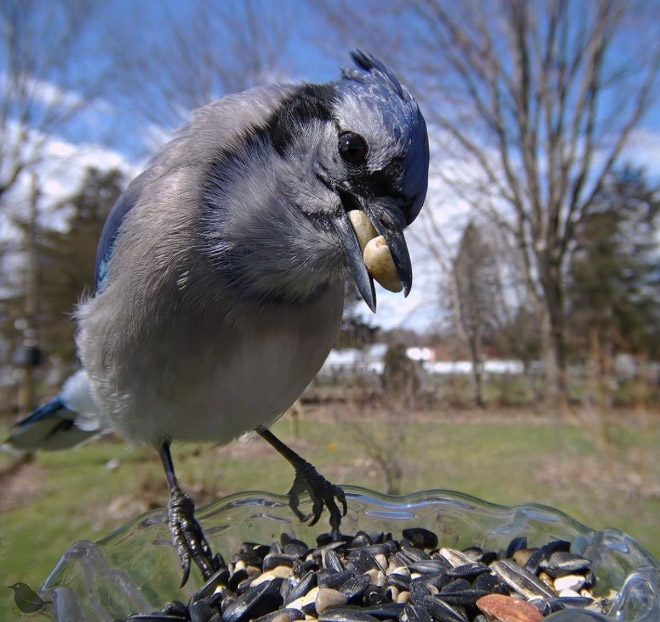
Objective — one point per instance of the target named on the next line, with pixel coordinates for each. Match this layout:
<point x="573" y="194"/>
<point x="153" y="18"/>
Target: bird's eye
<point x="352" y="148"/>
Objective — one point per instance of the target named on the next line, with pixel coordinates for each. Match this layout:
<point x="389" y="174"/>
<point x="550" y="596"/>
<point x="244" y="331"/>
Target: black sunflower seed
<point x="421" y="538"/>
<point x="446" y="585"/>
<point x="346" y="614"/>
<point x="331" y="578"/>
<point x="332" y="561"/>
<point x="443" y="612"/>
<point x="306" y="583"/>
<point x="239" y="608"/>
<point x="468" y="571"/>
<point x="561" y="563"/>
<point x="414" y="613"/>
<point x="354" y="587"/>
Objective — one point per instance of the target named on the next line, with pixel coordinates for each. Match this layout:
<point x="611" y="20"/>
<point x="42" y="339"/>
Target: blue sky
<point x="129" y="26"/>
<point x="124" y="24"/>
<point x="122" y="31"/>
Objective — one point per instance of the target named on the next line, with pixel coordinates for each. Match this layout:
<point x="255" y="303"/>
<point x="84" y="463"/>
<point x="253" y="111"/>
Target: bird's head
<point x="357" y="143"/>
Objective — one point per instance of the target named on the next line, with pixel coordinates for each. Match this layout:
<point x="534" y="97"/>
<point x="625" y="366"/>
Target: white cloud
<point x="60" y="170"/>
<point x="420" y="311"/>
<point x="644" y="150"/>
<point x="49" y="94"/>
<point x="63" y="166"/>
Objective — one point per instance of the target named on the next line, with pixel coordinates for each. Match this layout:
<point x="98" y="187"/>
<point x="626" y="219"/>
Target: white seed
<point x="403" y="597"/>
<point x="403" y="571"/>
<point x="376" y="577"/>
<point x="372" y="573"/>
<point x="279" y="572"/>
<point x="568" y="594"/>
<point x="395" y="567"/>
<point x="378" y="259"/>
<point x="308" y="598"/>
<point x="363" y="227"/>
<point x="569" y="582"/>
<point x="327" y="598"/>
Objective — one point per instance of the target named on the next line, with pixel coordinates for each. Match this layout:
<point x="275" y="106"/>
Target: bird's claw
<point x="322" y="493"/>
<point x="188" y="537"/>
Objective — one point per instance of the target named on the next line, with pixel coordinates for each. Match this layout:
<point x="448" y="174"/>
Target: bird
<point x="26" y="599"/>
<point x="221" y="270"/>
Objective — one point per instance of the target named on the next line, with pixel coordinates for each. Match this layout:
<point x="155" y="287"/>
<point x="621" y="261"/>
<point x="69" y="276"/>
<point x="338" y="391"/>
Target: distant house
<point x="371" y="360"/>
<point x="465" y="367"/>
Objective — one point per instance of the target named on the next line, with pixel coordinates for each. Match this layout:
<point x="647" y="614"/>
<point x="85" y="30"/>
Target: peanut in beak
<point x="375" y="252"/>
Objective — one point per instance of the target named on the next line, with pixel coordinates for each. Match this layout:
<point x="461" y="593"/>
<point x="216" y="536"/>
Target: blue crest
<point x="372" y="79"/>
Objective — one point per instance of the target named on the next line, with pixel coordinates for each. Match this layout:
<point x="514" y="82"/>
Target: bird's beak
<point x="388" y="221"/>
<point x="349" y="241"/>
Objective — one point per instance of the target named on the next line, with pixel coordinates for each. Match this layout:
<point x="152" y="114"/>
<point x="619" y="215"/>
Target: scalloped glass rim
<point x="135" y="569"/>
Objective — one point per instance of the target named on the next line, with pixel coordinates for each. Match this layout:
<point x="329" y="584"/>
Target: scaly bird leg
<point x="320" y="490"/>
<point x="186" y="532"/>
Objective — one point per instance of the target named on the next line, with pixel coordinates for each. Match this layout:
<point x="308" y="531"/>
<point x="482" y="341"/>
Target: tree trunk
<point x="26" y="394"/>
<point x="556" y="393"/>
<point x="476" y="372"/>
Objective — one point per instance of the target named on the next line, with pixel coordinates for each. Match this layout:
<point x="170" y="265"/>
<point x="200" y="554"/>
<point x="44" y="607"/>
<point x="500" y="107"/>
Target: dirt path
<point x="19" y="483"/>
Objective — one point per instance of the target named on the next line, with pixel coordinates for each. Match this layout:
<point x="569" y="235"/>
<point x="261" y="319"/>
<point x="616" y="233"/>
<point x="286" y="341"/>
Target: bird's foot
<point x="188" y="537"/>
<point x="322" y="493"/>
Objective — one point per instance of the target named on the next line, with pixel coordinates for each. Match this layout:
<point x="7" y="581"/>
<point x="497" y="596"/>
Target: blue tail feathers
<point x="56" y="425"/>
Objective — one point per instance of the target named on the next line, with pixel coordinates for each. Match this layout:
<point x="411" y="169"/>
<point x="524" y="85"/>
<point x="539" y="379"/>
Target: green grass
<point x="68" y="496"/>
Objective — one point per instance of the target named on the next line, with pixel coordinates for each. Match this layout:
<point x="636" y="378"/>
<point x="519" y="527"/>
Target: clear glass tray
<point x="136" y="569"/>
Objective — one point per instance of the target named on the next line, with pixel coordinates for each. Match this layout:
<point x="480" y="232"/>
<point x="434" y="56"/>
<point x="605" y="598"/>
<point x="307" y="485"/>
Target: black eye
<point x="352" y="148"/>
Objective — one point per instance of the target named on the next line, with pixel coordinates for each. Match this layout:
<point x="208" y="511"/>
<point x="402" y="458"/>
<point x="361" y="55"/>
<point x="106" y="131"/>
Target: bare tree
<point x="537" y="100"/>
<point x="40" y="90"/>
<point x="474" y="286"/>
<point x="222" y="47"/>
<point x="43" y="86"/>
<point x="515" y="321"/>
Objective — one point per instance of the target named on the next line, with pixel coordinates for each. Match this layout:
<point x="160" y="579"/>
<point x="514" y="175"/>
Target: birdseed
<point x="375" y="578"/>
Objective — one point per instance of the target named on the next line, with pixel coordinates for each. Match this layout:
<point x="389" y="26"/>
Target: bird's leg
<point x="320" y="490"/>
<point x="186" y="532"/>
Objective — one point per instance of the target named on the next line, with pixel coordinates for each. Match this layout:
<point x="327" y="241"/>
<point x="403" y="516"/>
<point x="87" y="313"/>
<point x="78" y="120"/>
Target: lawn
<point x="603" y="480"/>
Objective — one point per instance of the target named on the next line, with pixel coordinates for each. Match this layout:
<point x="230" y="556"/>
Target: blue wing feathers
<point x="109" y="234"/>
<point x="49" y="409"/>
<point x="50" y="427"/>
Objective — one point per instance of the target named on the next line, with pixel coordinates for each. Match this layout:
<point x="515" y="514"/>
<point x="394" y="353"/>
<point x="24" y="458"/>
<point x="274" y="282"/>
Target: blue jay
<point x="220" y="273"/>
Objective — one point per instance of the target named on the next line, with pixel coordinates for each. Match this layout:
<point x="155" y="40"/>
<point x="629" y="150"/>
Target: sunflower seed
<point x="521" y="579"/>
<point x="420" y="537"/>
<point x="372" y="577"/>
